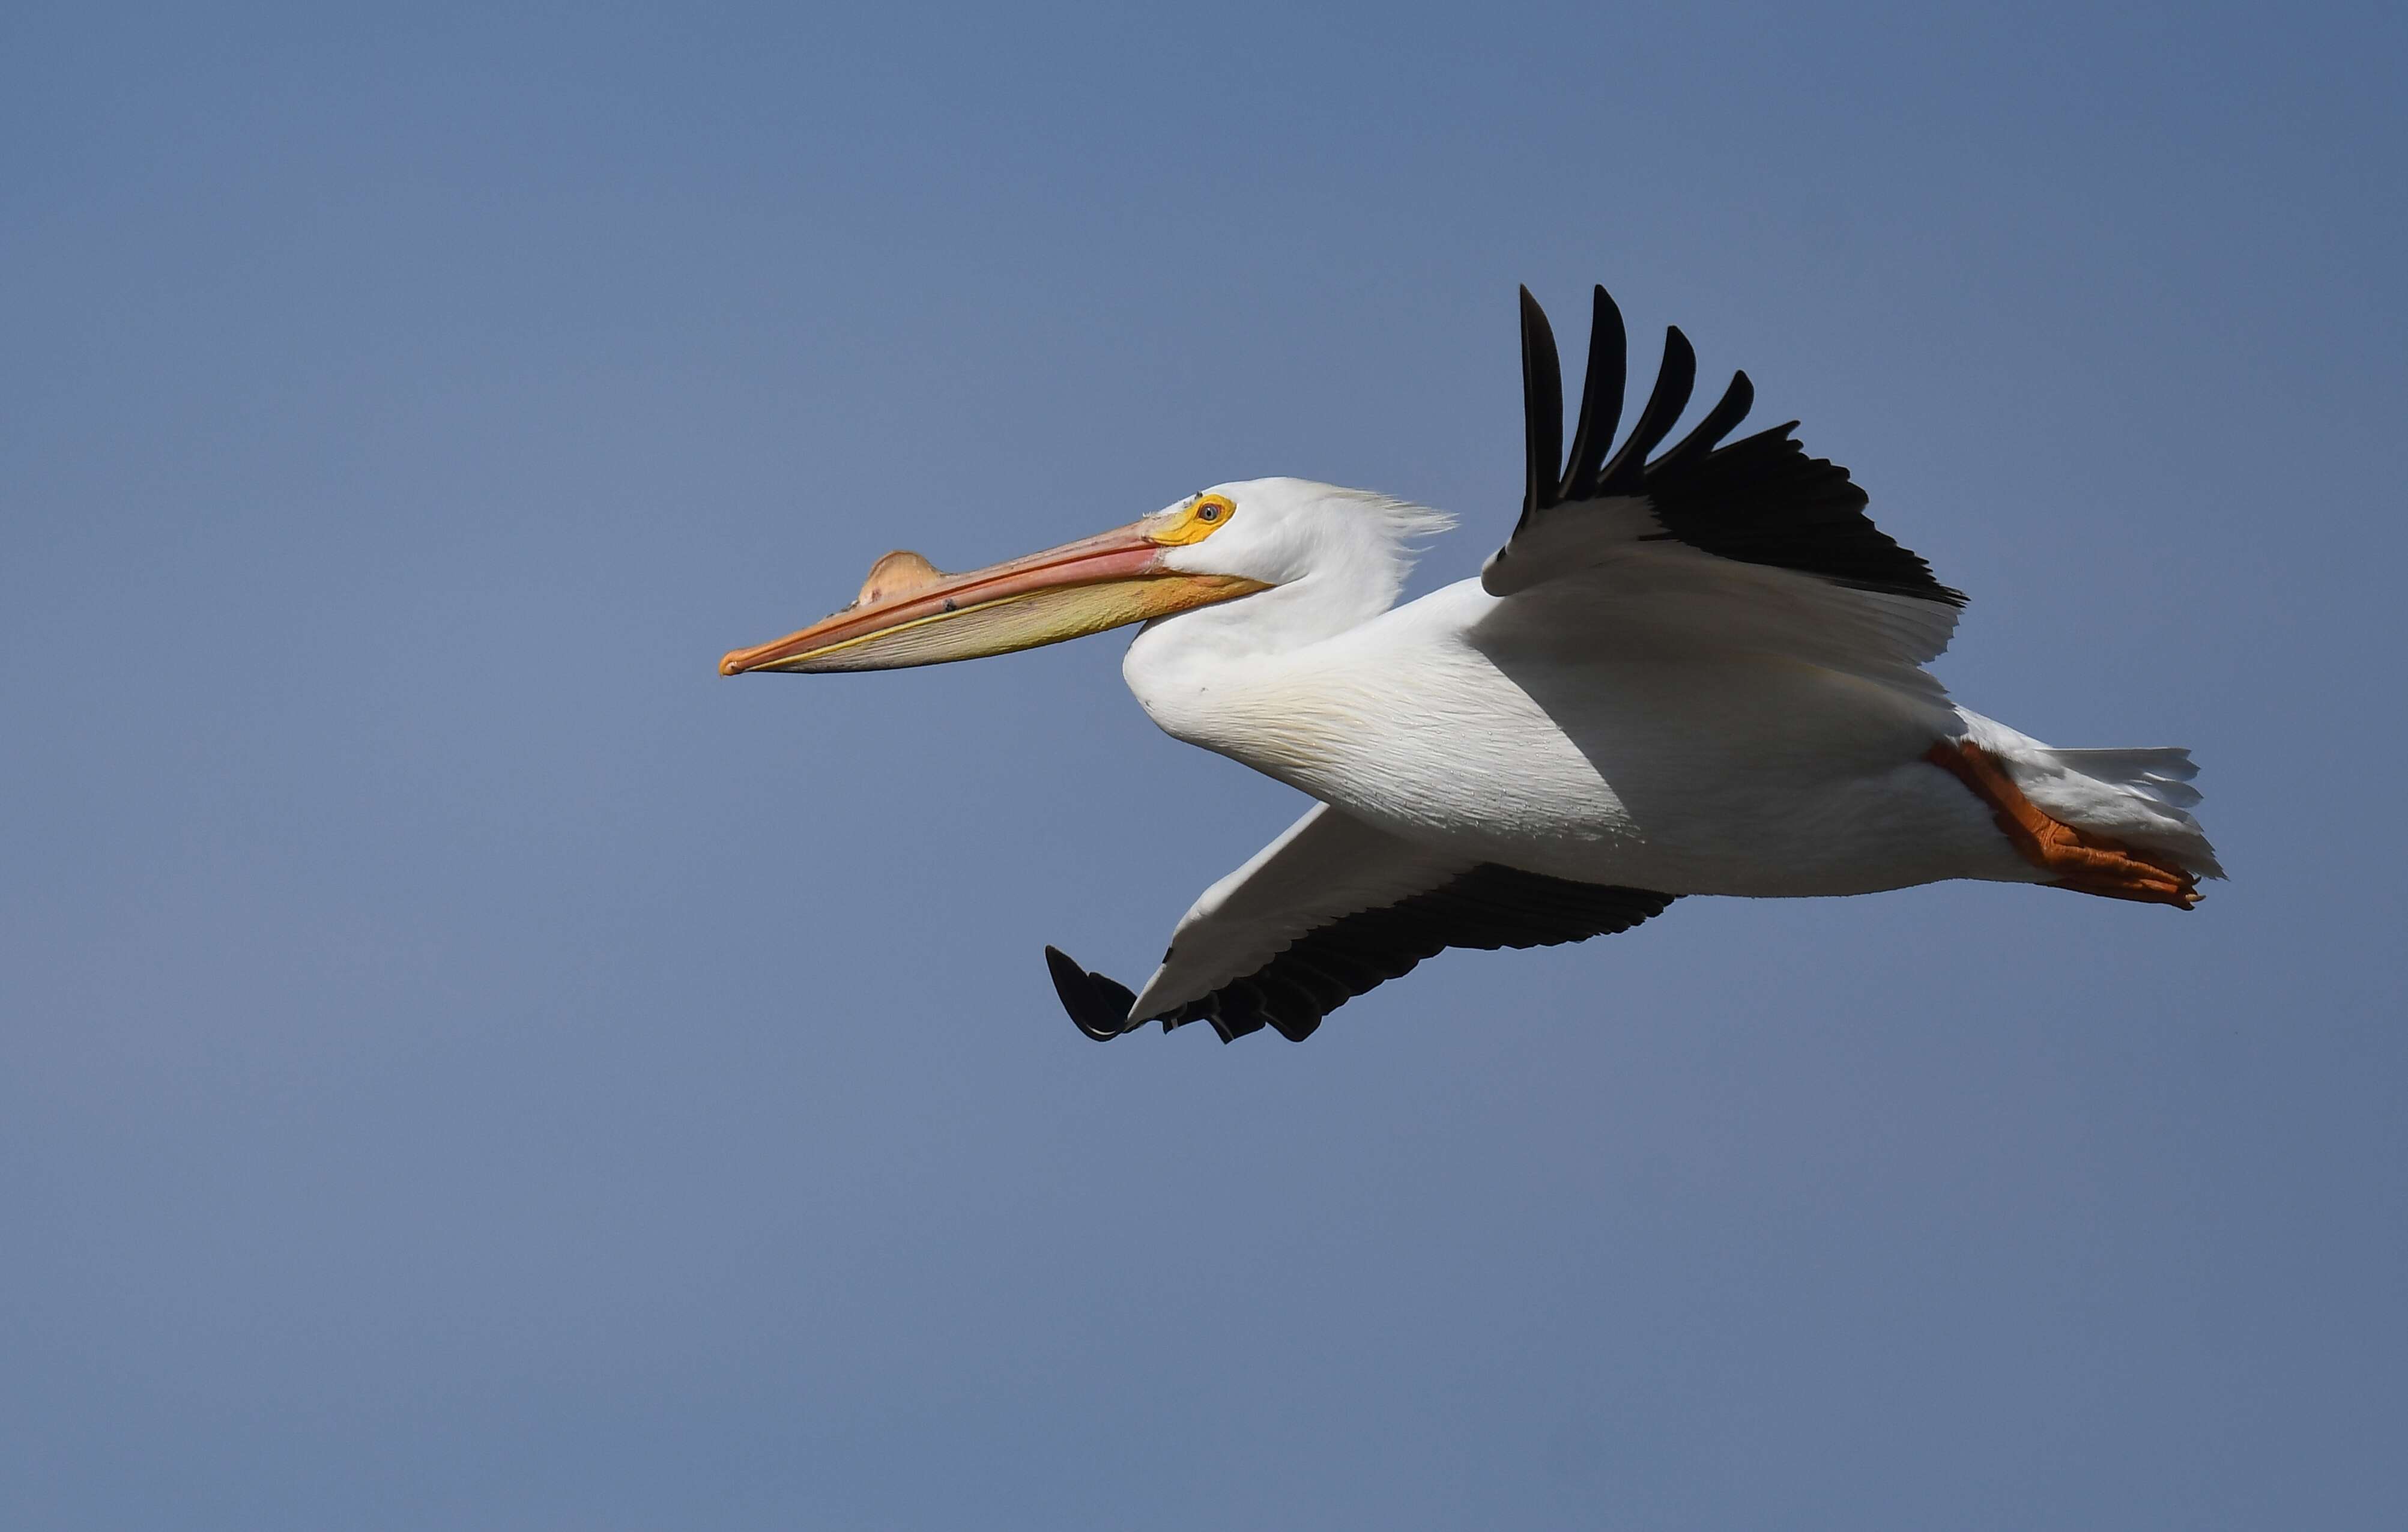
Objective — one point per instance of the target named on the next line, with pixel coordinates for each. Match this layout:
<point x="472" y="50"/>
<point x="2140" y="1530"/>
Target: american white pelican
<point x="1695" y="674"/>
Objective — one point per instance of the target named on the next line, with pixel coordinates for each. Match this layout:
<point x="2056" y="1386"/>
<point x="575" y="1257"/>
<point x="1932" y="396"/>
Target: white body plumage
<point x="1568" y="730"/>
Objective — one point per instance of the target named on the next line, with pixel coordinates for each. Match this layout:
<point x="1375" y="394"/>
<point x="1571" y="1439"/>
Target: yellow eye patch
<point x="1202" y="516"/>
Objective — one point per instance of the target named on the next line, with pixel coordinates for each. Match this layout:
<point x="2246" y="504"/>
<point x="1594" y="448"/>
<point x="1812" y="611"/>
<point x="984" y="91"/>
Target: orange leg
<point x="2086" y="863"/>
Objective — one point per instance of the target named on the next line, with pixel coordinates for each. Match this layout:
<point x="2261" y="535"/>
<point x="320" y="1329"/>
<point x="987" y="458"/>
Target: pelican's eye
<point x="1198" y="520"/>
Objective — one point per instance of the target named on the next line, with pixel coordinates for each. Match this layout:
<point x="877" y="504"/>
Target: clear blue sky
<point x="462" y="1063"/>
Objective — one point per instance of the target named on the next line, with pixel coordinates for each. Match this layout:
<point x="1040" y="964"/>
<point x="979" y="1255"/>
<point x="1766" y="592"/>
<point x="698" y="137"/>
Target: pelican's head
<point x="1343" y="548"/>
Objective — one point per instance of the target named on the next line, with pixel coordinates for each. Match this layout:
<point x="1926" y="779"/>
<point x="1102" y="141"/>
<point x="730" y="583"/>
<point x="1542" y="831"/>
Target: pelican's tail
<point x="2142" y="798"/>
<point x="2110" y="821"/>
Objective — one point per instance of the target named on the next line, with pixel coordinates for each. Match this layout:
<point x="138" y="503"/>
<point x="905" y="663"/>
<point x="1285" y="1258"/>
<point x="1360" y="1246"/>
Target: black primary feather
<point x="1543" y="408"/>
<point x="1674" y="380"/>
<point x="1601" y="412"/>
<point x="1097" y="1006"/>
<point x="1759" y="500"/>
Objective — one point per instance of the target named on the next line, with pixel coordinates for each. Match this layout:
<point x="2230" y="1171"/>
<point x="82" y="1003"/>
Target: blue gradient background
<point x="465" y="1063"/>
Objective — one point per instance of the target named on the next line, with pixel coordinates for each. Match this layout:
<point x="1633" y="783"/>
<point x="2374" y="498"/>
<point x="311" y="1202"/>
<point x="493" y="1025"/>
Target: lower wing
<point x="1331" y="909"/>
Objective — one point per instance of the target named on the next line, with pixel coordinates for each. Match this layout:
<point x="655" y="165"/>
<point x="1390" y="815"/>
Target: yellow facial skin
<point x="1196" y="521"/>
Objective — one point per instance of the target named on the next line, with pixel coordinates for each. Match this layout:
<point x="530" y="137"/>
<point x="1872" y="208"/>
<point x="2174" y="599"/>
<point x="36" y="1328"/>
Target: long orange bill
<point x="910" y="613"/>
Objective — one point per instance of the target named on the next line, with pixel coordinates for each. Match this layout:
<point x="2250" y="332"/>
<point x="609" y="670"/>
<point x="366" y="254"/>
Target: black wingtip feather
<point x="1099" y="1005"/>
<point x="1759" y="500"/>
<point x="1543" y="408"/>
<point x="1600" y="410"/>
<point x="1675" y="381"/>
<point x="1736" y="402"/>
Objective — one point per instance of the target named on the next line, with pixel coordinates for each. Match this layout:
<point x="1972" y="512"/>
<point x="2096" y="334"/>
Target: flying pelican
<point x="1698" y="674"/>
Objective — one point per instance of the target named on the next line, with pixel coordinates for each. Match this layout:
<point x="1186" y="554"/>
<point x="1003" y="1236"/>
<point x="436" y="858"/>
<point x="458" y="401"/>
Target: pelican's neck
<point x="1226" y="677"/>
<point x="1238" y="677"/>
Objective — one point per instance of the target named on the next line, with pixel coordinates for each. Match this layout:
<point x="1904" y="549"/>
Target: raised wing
<point x="1760" y="542"/>
<point x="1328" y="911"/>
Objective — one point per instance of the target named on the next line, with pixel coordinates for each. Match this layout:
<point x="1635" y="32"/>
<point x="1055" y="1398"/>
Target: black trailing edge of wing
<point x="1487" y="906"/>
<point x="1759" y="500"/>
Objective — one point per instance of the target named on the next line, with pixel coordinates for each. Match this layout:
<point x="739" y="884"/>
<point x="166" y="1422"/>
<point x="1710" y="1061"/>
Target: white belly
<point x="1681" y="772"/>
